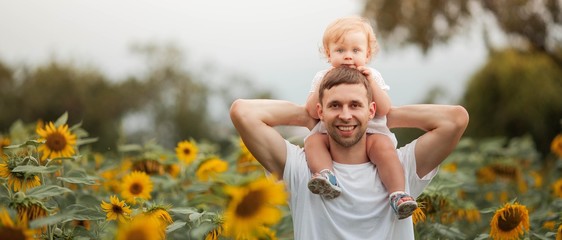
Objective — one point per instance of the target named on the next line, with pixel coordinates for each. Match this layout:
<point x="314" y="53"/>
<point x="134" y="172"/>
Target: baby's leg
<point x="382" y="153"/>
<point x="316" y="149"/>
<point x="319" y="160"/>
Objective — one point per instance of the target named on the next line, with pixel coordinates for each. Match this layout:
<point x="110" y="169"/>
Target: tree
<point x="529" y="24"/>
<point x="46" y="92"/>
<point x="514" y="94"/>
<point x="518" y="90"/>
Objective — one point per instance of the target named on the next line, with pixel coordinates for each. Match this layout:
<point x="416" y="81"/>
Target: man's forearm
<point x="276" y="112"/>
<point x="254" y="120"/>
<point x="444" y="126"/>
<point x="427" y="116"/>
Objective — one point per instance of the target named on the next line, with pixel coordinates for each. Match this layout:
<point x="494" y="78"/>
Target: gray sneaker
<point x="403" y="204"/>
<point x="325" y="184"/>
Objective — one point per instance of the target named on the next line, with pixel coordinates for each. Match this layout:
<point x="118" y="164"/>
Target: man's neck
<point x="355" y="154"/>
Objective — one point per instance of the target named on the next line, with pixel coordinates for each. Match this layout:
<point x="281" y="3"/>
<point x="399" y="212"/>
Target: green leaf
<point x="75" y="127"/>
<point x="43" y="191"/>
<point x="129" y="148"/>
<point x="33" y="143"/>
<point x="78" y="177"/>
<point x="50" y="220"/>
<point x="83" y="141"/>
<point x="175" y="226"/>
<point x="36" y="169"/>
<point x="184" y="211"/>
<point x="80" y="212"/>
<point x="62" y="119"/>
<point x="195" y="216"/>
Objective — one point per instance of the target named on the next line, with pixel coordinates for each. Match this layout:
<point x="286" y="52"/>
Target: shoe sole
<point x="406" y="209"/>
<point x="323" y="188"/>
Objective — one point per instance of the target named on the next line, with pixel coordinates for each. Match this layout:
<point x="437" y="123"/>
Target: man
<point x="361" y="212"/>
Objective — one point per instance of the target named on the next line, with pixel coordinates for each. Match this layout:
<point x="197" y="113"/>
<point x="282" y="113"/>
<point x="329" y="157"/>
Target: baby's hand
<point x="366" y="71"/>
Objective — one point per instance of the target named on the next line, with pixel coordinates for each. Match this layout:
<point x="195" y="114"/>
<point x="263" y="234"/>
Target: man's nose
<point x="345" y="114"/>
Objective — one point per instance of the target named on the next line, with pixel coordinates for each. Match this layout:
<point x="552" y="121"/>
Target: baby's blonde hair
<point x="335" y="31"/>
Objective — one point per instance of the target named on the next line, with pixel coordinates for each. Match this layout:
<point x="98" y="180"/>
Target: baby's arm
<point x="380" y="97"/>
<point x="312" y="100"/>
<point x="311" y="103"/>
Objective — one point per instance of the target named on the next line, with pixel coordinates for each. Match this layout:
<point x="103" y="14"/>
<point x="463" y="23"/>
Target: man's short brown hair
<point x="343" y="75"/>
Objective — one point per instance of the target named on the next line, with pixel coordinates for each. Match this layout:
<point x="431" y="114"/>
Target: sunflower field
<point x="55" y="187"/>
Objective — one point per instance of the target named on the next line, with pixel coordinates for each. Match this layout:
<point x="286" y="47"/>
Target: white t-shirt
<point x="361" y="212"/>
<point x="376" y="125"/>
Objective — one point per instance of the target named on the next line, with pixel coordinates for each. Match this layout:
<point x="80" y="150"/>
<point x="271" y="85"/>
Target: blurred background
<point x="168" y="70"/>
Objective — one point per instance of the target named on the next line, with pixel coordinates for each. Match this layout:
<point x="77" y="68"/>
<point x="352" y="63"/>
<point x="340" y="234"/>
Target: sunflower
<point x="19" y="181"/>
<point x="149" y="166"/>
<point x="29" y="208"/>
<point x="559" y="233"/>
<point x="161" y="214"/>
<point x="549" y="225"/>
<point x="556" y="145"/>
<point x="210" y="168"/>
<point x="141" y="228"/>
<point x="436" y="206"/>
<point x="537" y="179"/>
<point x="173" y="170"/>
<point x="116" y="210"/>
<point x="11" y="230"/>
<point x="509" y="222"/>
<point x="418" y="216"/>
<point x="4" y="142"/>
<point x="470" y="214"/>
<point x="450" y="167"/>
<point x="83" y="223"/>
<point x="111" y="177"/>
<point x="186" y="151"/>
<point x="215" y="233"/>
<point x="264" y="233"/>
<point x="252" y="206"/>
<point x="557" y="188"/>
<point x="246" y="161"/>
<point x="59" y="141"/>
<point x="136" y="185"/>
<point x="485" y="175"/>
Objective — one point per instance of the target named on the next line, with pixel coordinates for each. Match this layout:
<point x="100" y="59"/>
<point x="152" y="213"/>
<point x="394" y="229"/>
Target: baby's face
<point x="352" y="50"/>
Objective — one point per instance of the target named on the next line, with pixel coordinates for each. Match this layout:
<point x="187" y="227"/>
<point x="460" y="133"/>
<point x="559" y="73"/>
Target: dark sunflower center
<point x="117" y="209"/>
<point x="56" y="141"/>
<point x="186" y="151"/>
<point x="250" y="204"/>
<point x="136" y="234"/>
<point x="11" y="233"/>
<point x="135" y="189"/>
<point x="511" y="221"/>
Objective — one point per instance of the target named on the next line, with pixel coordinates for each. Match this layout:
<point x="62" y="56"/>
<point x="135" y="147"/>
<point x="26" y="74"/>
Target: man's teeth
<point x="345" y="128"/>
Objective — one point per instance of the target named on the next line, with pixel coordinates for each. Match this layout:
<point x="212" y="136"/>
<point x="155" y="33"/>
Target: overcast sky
<point x="275" y="43"/>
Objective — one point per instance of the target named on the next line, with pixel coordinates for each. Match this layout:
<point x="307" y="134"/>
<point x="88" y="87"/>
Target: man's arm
<point x="444" y="126"/>
<point x="254" y="119"/>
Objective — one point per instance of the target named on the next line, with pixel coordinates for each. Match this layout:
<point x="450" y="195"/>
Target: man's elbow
<point x="237" y="110"/>
<point x="459" y="118"/>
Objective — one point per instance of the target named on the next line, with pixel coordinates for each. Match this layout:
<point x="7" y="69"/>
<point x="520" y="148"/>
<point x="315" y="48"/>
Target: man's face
<point x="345" y="111"/>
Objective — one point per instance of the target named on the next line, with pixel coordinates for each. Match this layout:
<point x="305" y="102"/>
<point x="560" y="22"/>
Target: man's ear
<point x="372" y="109"/>
<point x="319" y="110"/>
